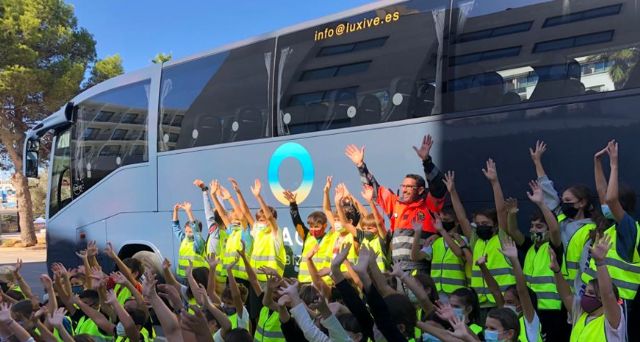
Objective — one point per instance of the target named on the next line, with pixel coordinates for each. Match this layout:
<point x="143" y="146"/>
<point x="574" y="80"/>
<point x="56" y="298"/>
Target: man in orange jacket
<point x="414" y="204"/>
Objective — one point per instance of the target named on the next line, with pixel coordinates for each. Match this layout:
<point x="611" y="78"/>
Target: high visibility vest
<point x="447" y="269"/>
<point x="523" y="332"/>
<point x="591" y="331"/>
<point x="540" y="277"/>
<point x="268" y="328"/>
<point x="186" y="253"/>
<point x="56" y="333"/>
<point x="122" y="293"/>
<point x="230" y="252"/>
<point x="498" y="266"/>
<point x="476" y="329"/>
<point x="571" y="262"/>
<point x="625" y="275"/>
<point x="322" y="258"/>
<point x="339" y="241"/>
<point x="87" y="326"/>
<point x="375" y="245"/>
<point x="265" y="253"/>
<point x="221" y="271"/>
<point x="401" y="243"/>
<point x="144" y="336"/>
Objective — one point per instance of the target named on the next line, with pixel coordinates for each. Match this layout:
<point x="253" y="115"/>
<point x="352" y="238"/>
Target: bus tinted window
<point x="110" y="132"/>
<point x="216" y="99"/>
<point x="507" y="52"/>
<point x="374" y="67"/>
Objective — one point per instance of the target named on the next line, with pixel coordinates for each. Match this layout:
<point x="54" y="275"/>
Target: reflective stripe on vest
<point x="587" y="332"/>
<point x="574" y="250"/>
<point x="401" y="243"/>
<point x="339" y="241"/>
<point x="230" y="252"/>
<point x="523" y="332"/>
<point x="498" y="266"/>
<point x="221" y="271"/>
<point x="268" y="328"/>
<point x="265" y="254"/>
<point x="186" y="253"/>
<point x="89" y="327"/>
<point x="322" y="258"/>
<point x="540" y="277"/>
<point x="375" y="245"/>
<point x="447" y="269"/>
<point x="626" y="276"/>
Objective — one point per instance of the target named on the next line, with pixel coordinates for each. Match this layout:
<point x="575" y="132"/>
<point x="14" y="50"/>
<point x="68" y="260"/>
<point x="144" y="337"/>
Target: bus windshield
<point x="60" y="192"/>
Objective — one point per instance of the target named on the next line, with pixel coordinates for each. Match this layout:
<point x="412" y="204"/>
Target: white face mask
<point x="260" y="226"/>
<point x="120" y="330"/>
<point x="512" y="308"/>
<point x="338" y="226"/>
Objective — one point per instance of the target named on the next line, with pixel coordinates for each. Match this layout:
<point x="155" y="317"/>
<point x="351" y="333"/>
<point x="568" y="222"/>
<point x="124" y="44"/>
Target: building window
<point x="351" y="47"/>
<point x="485" y="55"/>
<point x="104" y="116"/>
<point x="119" y="134"/>
<point x="495" y="32"/>
<point x="334" y="71"/>
<point x="575" y="41"/>
<point x="583" y="15"/>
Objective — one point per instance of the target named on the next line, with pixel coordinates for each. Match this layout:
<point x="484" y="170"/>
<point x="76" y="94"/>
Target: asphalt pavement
<point x="33" y="264"/>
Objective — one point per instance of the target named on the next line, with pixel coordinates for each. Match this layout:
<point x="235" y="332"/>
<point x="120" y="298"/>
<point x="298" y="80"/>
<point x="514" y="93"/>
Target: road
<point x="33" y="265"/>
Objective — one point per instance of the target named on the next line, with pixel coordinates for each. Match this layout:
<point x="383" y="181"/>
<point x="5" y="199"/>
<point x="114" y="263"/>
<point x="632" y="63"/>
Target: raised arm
<point x="108" y="250"/>
<point x="453" y="244"/>
<point x="612" y="310"/>
<point x="24" y="286"/>
<point x="564" y="290"/>
<point x="87" y="268"/>
<point x="119" y="278"/>
<point x="235" y="290"/>
<point x="601" y="181"/>
<point x="212" y="283"/>
<point x="251" y="273"/>
<point x="356" y="155"/>
<point x="209" y="210"/>
<point x="491" y="173"/>
<point x="242" y="202"/>
<point x="272" y="284"/>
<point x="492" y="284"/>
<point x="416" y="248"/>
<point x="511" y="206"/>
<point x="340" y="192"/>
<point x="536" y="156"/>
<point x="47" y="284"/>
<point x="537" y="198"/>
<point x="168" y="320"/>
<point x="221" y="317"/>
<point x="367" y="194"/>
<point x="55" y="319"/>
<point x="326" y="202"/>
<point x="96" y="316"/>
<point x="415" y="287"/>
<point x="510" y="251"/>
<point x="458" y="208"/>
<point x="301" y="228"/>
<point x="129" y="326"/>
<point x="316" y="278"/>
<point x="255" y="189"/>
<point x="214" y="188"/>
<point x="551" y="198"/>
<point x="612" y="195"/>
<point x="432" y="174"/>
<point x="9" y="324"/>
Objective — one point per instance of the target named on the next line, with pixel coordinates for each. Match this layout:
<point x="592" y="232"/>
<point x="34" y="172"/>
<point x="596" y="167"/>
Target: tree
<point x="38" y="190"/>
<point x="105" y="69"/>
<point x="43" y="60"/>
<point x="622" y="63"/>
<point x="161" y="57"/>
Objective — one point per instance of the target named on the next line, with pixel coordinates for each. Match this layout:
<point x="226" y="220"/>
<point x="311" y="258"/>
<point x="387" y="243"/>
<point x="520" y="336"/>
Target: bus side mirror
<point x="31" y="159"/>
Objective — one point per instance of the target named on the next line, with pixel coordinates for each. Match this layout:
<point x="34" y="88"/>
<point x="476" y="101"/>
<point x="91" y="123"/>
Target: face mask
<point x="260" y="226"/>
<point x="338" y="227"/>
<point x="484" y="232"/>
<point x="569" y="210"/>
<point x="317" y="233"/>
<point x="590" y="303"/>
<point x="412" y="297"/>
<point x="235" y="226"/>
<point x="428" y="250"/>
<point x="448" y="226"/>
<point x="606" y="211"/>
<point x="459" y="312"/>
<point x="120" y="330"/>
<point x="538" y="236"/>
<point x="491" y="335"/>
<point x="512" y="308"/>
<point x="228" y="309"/>
<point x="77" y="289"/>
<point x="45" y="298"/>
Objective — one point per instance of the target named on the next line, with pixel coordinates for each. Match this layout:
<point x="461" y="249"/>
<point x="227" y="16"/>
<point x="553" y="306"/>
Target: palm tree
<point x="622" y="63"/>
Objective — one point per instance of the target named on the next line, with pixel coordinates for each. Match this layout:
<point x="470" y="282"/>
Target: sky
<point x="139" y="29"/>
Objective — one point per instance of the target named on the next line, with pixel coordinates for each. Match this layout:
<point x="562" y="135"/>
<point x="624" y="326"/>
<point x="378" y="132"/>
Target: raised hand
<point x="108" y="249"/>
<point x="312" y="252"/>
<point x="367" y="193"/>
<point x="46" y="281"/>
<point x="92" y="249"/>
<point x="166" y="264"/>
<point x="199" y="183"/>
<point x="340" y="193"/>
<point x="257" y="186"/>
<point x="289" y="196"/>
<point x="149" y="284"/>
<point x="425" y="147"/>
<point x="111" y="297"/>
<point x="481" y="260"/>
<point x="553" y="262"/>
<point x="396" y="271"/>
<point x="82" y="254"/>
<point x="268" y="271"/>
<point x="509" y="248"/>
<point x="327" y="184"/>
<point x="511" y="205"/>
<point x="341" y="256"/>
<point x="186" y="206"/>
<point x="224" y="193"/>
<point x="445" y="311"/>
<point x="460" y="329"/>
<point x="601" y="247"/>
<point x="213" y="261"/>
<point x="600" y="153"/>
<point x="234" y="184"/>
<point x="214" y="187"/>
<point x="18" y="266"/>
<point x="450" y="181"/>
<point x="355" y="154"/>
<point x="612" y="150"/>
<point x="536" y="196"/>
<point x="536" y="154"/>
<point x="490" y="171"/>
<point x="364" y="257"/>
<point x="232" y="264"/>
<point x="55" y="318"/>
<point x="5" y="313"/>
<point x="170" y="294"/>
<point x="290" y="289"/>
<point x="119" y="278"/>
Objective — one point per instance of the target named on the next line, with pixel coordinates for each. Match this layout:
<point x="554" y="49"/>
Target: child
<point x="191" y="244"/>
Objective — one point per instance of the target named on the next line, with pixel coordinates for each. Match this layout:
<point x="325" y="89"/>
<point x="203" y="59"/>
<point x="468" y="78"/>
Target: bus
<point x="485" y="78"/>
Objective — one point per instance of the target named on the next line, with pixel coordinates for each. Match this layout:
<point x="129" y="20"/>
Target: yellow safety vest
<point x="230" y="252"/>
<point x="540" y="277"/>
<point x="339" y="241"/>
<point x="268" y="328"/>
<point x="186" y="253"/>
<point x="87" y="326"/>
<point x="447" y="269"/>
<point x="375" y="245"/>
<point x="322" y="258"/>
<point x="498" y="266"/>
<point x="625" y="275"/>
<point x="587" y="332"/>
<point x="221" y="271"/>
<point x="265" y="253"/>
<point x="571" y="262"/>
<point x="523" y="332"/>
<point x="144" y="336"/>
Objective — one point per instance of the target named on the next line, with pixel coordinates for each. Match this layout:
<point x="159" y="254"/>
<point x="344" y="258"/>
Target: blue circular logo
<point x="298" y="152"/>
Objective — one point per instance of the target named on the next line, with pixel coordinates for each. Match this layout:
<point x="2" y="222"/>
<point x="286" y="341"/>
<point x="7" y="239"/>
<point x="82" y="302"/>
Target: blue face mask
<point x="606" y="211"/>
<point x="459" y="312"/>
<point x="491" y="335"/>
<point x="77" y="289"/>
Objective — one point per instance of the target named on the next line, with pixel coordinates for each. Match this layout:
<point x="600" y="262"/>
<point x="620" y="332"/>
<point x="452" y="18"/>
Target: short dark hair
<point x="508" y="319"/>
<point x="349" y="322"/>
<point x="532" y="295"/>
<point x="273" y="211"/>
<point x="244" y="293"/>
<point x="138" y="316"/>
<point x="89" y="294"/>
<point x="403" y="312"/>
<point x="134" y="265"/>
<point x="537" y="215"/>
<point x="419" y="180"/>
<point x="469" y="297"/>
<point x="238" y="335"/>
<point x="317" y="217"/>
<point x="428" y="285"/>
<point x="23" y="308"/>
<point x="488" y="212"/>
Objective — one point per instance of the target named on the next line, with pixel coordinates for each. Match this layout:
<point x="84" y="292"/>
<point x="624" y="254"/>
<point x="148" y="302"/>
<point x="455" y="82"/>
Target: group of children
<point x="407" y="266"/>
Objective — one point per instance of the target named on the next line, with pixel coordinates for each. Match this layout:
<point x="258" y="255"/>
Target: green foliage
<point x="105" y="69"/>
<point x="38" y="189"/>
<point x="161" y="57"/>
